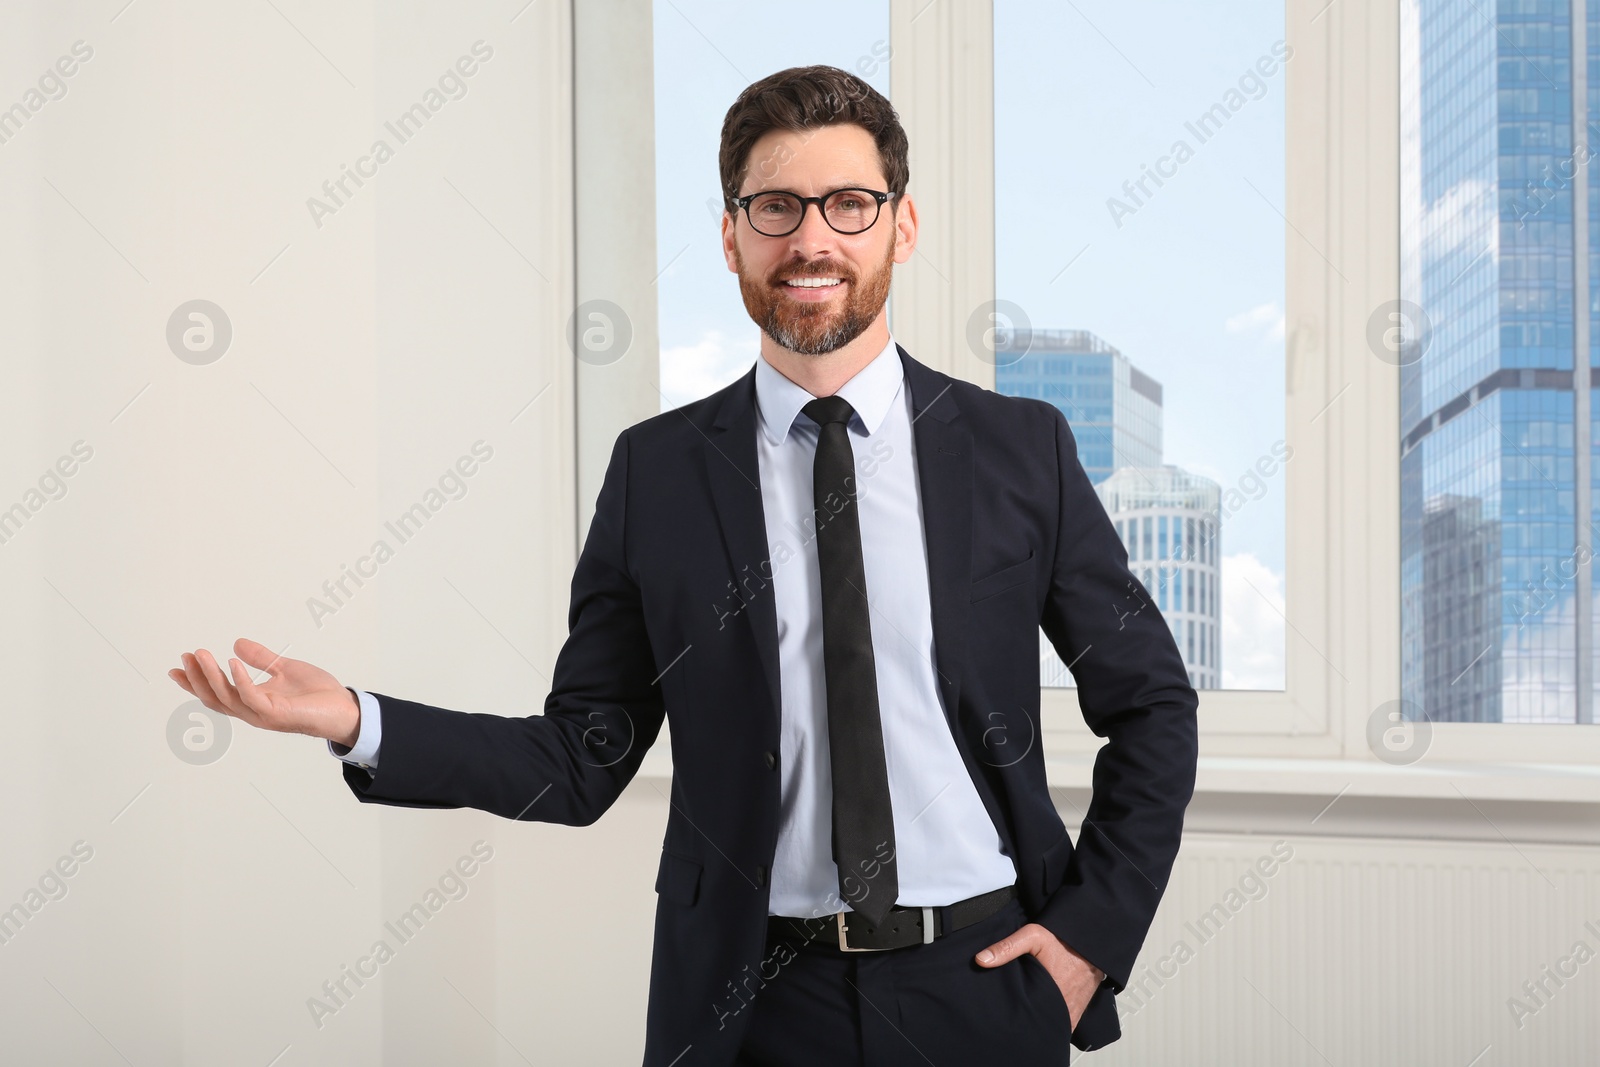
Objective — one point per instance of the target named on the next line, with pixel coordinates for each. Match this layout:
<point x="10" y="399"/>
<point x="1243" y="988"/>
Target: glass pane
<point x="706" y="52"/>
<point x="1495" y="539"/>
<point x="1139" y="181"/>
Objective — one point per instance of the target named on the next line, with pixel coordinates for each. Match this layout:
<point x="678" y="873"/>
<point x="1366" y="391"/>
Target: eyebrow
<point x="828" y="193"/>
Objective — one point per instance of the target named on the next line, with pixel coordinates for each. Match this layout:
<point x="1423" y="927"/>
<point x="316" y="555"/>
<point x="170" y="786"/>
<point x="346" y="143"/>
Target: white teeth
<point x="812" y="283"/>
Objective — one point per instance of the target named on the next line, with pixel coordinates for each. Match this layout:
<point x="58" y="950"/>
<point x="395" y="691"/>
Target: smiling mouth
<point x="812" y="283"/>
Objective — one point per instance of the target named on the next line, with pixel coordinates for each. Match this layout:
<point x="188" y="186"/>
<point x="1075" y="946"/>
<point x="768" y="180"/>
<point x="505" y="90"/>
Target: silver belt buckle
<point x="845" y="946"/>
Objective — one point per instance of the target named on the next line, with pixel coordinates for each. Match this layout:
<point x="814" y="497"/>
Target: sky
<point x="1184" y="276"/>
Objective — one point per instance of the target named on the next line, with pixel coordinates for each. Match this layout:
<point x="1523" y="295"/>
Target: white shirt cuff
<point x="364" y="753"/>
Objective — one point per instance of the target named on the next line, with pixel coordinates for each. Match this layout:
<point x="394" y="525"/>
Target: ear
<point x="905" y="225"/>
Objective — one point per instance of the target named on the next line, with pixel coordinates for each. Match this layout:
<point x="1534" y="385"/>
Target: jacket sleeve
<point x="603" y="712"/>
<point x="1134" y="691"/>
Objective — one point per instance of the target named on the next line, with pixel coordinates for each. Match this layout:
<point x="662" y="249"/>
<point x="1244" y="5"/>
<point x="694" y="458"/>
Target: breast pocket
<point x="1001" y="580"/>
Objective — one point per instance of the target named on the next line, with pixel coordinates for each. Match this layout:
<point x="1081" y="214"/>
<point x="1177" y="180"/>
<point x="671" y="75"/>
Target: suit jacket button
<point x="761" y="877"/>
<point x="772" y="760"/>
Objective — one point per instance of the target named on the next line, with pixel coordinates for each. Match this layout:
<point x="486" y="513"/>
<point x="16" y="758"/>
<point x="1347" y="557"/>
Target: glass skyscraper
<point x="1496" y="441"/>
<point x="1113" y="407"/>
<point x="1169" y="520"/>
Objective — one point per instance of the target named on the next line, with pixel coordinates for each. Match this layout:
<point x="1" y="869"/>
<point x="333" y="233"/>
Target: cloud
<point x="692" y="371"/>
<point x="1252" y="626"/>
<point x="1252" y="321"/>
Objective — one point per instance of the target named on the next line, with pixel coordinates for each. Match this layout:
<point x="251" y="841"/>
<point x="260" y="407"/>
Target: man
<point x="830" y="576"/>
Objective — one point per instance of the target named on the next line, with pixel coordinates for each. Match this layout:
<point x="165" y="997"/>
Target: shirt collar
<point x="870" y="392"/>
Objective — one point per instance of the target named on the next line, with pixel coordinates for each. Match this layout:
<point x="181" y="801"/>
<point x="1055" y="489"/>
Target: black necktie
<point x="863" y="821"/>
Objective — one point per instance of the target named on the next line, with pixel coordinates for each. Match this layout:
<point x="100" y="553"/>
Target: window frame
<point x="1342" y="581"/>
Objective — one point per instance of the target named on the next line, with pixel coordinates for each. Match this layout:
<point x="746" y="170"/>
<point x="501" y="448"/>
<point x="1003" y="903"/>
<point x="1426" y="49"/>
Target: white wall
<point x="368" y="354"/>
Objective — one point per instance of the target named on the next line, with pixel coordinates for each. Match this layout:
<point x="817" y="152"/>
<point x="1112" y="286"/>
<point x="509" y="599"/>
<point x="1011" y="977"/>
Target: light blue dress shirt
<point x="946" y="845"/>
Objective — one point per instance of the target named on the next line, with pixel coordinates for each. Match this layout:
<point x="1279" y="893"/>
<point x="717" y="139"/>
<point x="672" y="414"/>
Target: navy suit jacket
<point x="672" y="615"/>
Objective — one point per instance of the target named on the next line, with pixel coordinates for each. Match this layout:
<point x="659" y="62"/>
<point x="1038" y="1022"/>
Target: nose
<point x="813" y="234"/>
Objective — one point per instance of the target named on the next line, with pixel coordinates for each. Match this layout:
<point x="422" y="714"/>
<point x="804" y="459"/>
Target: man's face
<point x="814" y="321"/>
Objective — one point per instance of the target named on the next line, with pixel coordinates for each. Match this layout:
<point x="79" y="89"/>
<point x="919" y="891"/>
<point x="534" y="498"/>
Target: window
<point x="1140" y="239"/>
<point x="1333" y="598"/>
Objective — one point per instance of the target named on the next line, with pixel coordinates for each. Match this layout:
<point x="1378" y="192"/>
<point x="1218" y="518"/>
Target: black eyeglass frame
<point x="880" y="197"/>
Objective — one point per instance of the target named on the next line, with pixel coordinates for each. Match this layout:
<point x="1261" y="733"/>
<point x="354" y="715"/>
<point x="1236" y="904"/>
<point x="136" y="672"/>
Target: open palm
<point x="299" y="698"/>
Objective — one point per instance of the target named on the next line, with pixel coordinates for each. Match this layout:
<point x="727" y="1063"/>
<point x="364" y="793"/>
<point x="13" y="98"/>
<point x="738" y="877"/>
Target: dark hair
<point x="807" y="98"/>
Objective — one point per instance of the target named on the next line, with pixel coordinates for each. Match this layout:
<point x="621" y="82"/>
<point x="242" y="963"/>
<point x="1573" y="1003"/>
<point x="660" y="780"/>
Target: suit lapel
<point x="729" y="453"/>
<point x="944" y="474"/>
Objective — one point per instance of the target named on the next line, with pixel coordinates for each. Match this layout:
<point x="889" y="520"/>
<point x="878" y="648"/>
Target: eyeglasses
<point x="778" y="214"/>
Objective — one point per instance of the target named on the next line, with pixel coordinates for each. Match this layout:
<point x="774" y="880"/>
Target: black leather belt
<point x="847" y="931"/>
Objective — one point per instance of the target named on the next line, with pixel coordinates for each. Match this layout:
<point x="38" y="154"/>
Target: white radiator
<point x="1276" y="951"/>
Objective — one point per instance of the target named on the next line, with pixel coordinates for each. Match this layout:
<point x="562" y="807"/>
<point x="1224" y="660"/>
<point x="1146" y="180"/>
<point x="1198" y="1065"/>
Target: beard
<point x="815" y="329"/>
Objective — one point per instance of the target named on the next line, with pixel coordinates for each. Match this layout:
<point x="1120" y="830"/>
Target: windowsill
<point x="1370" y="778"/>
